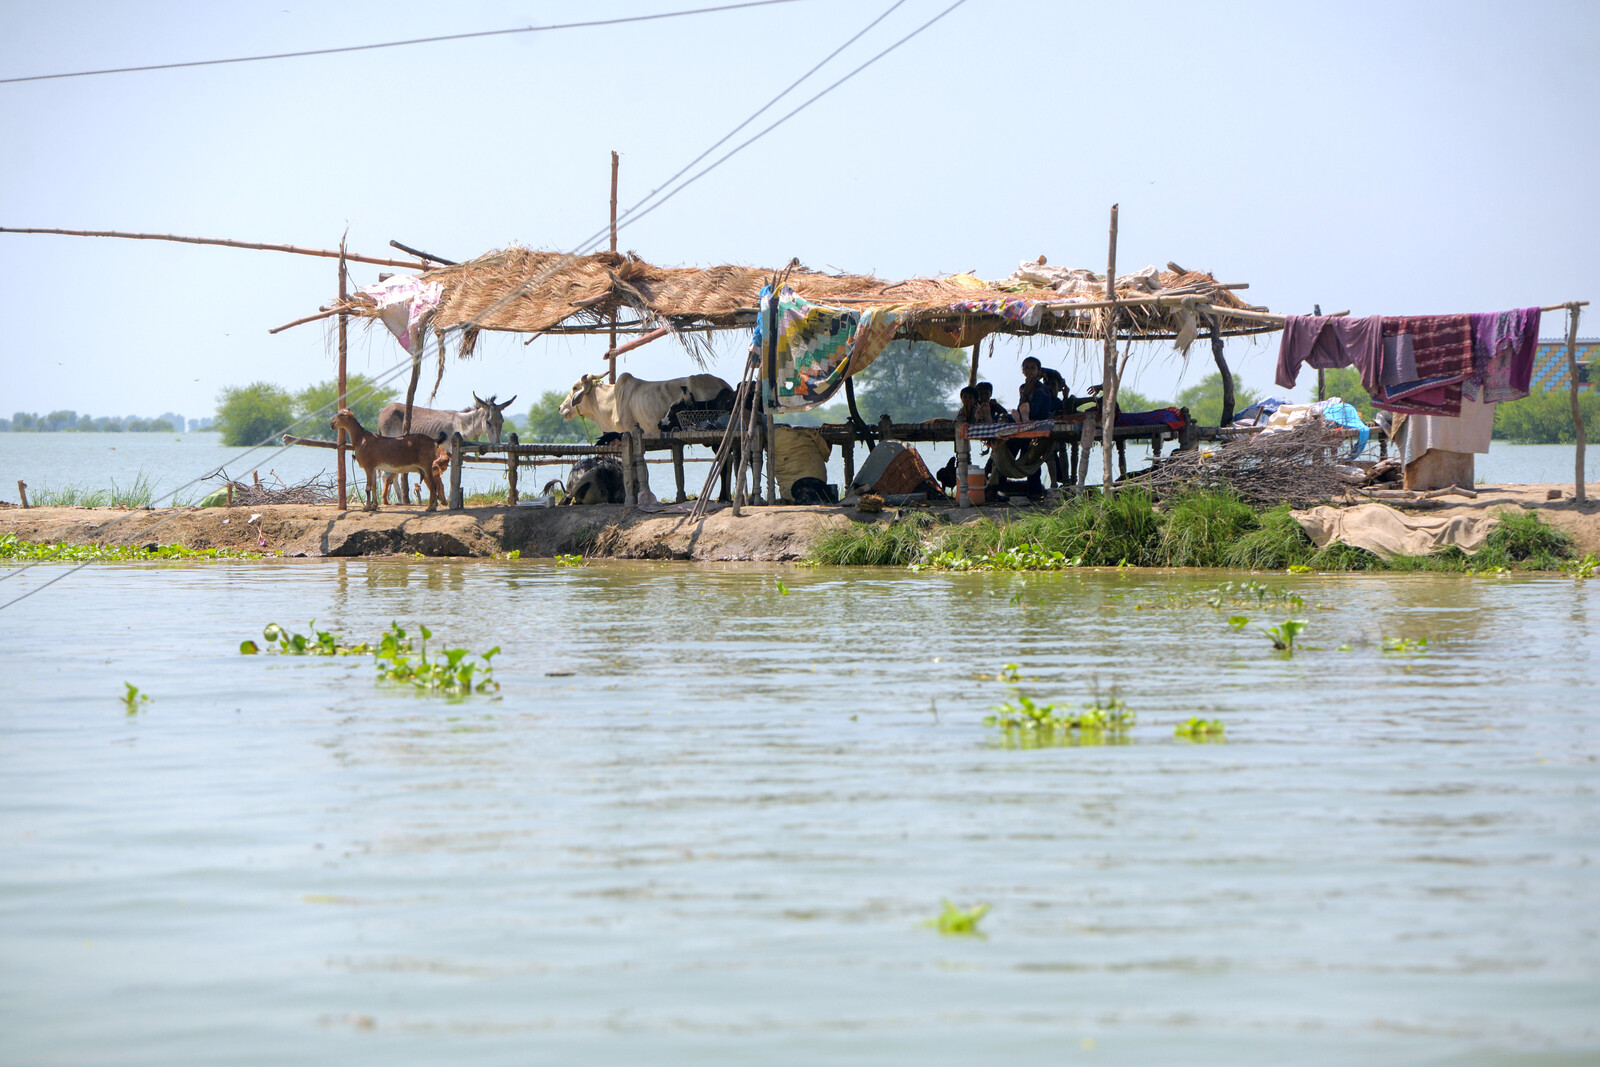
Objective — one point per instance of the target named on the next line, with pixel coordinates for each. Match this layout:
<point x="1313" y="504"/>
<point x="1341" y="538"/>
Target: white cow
<point x="633" y="403"/>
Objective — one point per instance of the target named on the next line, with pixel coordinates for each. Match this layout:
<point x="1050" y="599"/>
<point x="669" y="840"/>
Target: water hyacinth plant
<point x="1196" y="729"/>
<point x="13" y="548"/>
<point x="320" y="643"/>
<point x="454" y="674"/>
<point x="133" y="700"/>
<point x="1026" y="723"/>
<point x="960" y="922"/>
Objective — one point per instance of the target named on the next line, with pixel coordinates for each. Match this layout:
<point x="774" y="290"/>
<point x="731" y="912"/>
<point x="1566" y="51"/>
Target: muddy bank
<point x="773" y="534"/>
<point x="763" y="534"/>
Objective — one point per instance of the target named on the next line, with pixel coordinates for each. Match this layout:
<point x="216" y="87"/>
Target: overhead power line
<point x="592" y="23"/>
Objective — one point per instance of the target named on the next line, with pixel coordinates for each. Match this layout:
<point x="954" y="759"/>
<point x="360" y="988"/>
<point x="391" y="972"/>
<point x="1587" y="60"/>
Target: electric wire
<point x="592" y="23"/>
<point x="588" y="245"/>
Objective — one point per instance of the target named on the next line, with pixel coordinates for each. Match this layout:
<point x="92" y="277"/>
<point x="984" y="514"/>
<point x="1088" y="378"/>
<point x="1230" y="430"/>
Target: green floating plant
<point x="959" y="922"/>
<point x="133" y="700"/>
<point x="454" y="674"/>
<point x="320" y="643"/>
<point x="1282" y="636"/>
<point x="1405" y="646"/>
<point x="1197" y="729"/>
<point x="569" y="560"/>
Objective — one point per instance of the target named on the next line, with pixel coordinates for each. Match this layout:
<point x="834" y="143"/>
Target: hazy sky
<point x="1386" y="157"/>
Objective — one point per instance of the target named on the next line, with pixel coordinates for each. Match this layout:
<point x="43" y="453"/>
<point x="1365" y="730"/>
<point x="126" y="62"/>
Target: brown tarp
<point x="1386" y="533"/>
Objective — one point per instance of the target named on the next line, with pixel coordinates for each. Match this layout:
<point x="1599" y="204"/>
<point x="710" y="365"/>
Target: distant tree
<point x="1345" y="383"/>
<point x="545" y="423"/>
<point x="24" y="421"/>
<point x="249" y="414"/>
<point x="57" y="421"/>
<point x="1204" y="399"/>
<point x="109" y="424"/>
<point x="138" y="425"/>
<point x="1545" y="417"/>
<point x="912" y="381"/>
<point x="1133" y="400"/>
<point x="5" y="425"/>
<point x="174" y="418"/>
<point x="316" y="404"/>
<point x="832" y="414"/>
<point x="161" y="426"/>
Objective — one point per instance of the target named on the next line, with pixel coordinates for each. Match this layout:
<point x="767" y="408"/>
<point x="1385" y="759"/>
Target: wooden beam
<point x="420" y="254"/>
<point x="344" y="323"/>
<point x="1108" y="380"/>
<point x="614" y="351"/>
<point x="1579" y="488"/>
<point x="325" y="253"/>
<point x="611" y="356"/>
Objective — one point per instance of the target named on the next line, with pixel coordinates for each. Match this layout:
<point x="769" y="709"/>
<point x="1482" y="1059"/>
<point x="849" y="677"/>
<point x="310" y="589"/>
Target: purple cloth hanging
<point x="1503" y="347"/>
<point x="1327" y="343"/>
<point x="1425" y="360"/>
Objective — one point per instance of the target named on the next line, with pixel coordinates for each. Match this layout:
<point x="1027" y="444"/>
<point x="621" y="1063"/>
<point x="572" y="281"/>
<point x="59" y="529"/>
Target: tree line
<point x="72" y="422"/>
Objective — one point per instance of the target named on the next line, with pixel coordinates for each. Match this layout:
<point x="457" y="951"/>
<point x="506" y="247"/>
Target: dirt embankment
<point x="783" y="533"/>
<point x="765" y="534"/>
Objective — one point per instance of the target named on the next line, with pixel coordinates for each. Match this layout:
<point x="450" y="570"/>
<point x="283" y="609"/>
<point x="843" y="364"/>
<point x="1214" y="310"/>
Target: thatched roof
<point x="520" y="290"/>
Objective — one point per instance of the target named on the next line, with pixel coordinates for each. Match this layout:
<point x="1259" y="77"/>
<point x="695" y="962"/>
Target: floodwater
<point x="169" y="461"/>
<point x="706" y="820"/>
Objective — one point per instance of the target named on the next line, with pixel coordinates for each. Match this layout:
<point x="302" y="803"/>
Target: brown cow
<point x="414" y="453"/>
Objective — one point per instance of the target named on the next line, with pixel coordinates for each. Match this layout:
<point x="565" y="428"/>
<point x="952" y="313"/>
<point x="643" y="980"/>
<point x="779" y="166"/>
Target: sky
<point x="1395" y="158"/>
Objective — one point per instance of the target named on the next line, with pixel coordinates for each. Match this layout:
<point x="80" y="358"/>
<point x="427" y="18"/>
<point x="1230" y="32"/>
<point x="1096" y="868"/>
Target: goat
<point x="441" y="464"/>
<point x="415" y="453"/>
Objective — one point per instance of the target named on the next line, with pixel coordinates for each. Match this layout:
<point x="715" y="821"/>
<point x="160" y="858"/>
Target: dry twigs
<point x="1301" y="467"/>
<point x="317" y="489"/>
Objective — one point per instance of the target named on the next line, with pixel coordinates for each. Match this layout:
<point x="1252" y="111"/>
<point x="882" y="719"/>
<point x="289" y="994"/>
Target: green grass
<point x="1206" y="529"/>
<point x="137" y="495"/>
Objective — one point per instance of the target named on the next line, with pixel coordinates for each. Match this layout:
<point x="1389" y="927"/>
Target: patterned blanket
<point x="988" y="431"/>
<point x="819" y="347"/>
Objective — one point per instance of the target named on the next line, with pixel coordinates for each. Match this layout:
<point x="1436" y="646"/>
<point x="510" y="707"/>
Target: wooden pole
<point x="344" y="327"/>
<point x="1227" y="375"/>
<point x="511" y="473"/>
<point x="611" y="356"/>
<point x="325" y="253"/>
<point x="972" y="375"/>
<point x="456" y="502"/>
<point x="22" y="491"/>
<point x="1579" y="489"/>
<point x="1108" y="388"/>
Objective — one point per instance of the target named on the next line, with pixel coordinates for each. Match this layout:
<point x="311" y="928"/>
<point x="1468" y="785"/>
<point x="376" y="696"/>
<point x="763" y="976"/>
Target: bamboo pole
<point x="1579" y="488"/>
<point x="614" y="352"/>
<point x="325" y="253"/>
<point x="420" y="254"/>
<point x="1108" y="388"/>
<point x="344" y="323"/>
<point x="972" y="374"/>
<point x="611" y="356"/>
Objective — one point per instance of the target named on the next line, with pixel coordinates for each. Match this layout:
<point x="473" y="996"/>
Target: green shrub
<point x="251" y="414"/>
<point x="1200" y="528"/>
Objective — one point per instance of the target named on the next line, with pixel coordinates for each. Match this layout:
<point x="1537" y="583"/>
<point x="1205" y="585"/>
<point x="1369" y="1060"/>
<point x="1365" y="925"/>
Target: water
<point x="169" y="460"/>
<point x="716" y="840"/>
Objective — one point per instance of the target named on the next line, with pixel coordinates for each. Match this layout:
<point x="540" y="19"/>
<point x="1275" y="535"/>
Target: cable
<point x="398" y="44"/>
<point x="586" y="246"/>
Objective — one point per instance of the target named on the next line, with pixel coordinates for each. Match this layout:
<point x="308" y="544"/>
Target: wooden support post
<point x="456" y="502"/>
<point x="1108" y="380"/>
<point x="964" y="453"/>
<point x="511" y="473"/>
<point x="641" y="477"/>
<point x="1122" y="458"/>
<point x="848" y="449"/>
<point x="22" y="491"/>
<point x="677" y="473"/>
<point x="1579" y="489"/>
<point x="1227" y="375"/>
<point x="1322" y="384"/>
<point x="1085" y="444"/>
<point x="972" y="375"/>
<point x="630" y="472"/>
<point x="885" y="428"/>
<point x="770" y="428"/>
<point x="611" y="359"/>
<point x="344" y="327"/>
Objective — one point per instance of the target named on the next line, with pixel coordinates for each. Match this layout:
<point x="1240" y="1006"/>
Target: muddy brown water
<point x="706" y="820"/>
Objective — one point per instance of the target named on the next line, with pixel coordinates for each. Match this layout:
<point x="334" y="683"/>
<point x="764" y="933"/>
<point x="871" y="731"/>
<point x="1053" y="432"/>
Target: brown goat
<point x="441" y="464"/>
<point x="414" y="453"/>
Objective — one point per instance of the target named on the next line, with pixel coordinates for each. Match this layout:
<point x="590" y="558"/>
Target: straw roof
<point x="520" y="290"/>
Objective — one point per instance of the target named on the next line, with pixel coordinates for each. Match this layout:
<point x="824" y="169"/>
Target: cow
<point x="633" y="403"/>
<point x="484" y="419"/>
<point x="377" y="454"/>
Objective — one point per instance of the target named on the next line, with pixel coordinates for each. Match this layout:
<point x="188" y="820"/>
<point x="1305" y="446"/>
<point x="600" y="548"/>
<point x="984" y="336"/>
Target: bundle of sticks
<point x="1301" y="467"/>
<point x="317" y="489"/>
